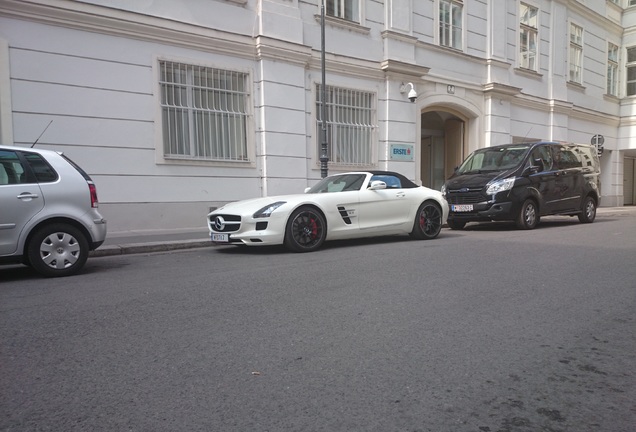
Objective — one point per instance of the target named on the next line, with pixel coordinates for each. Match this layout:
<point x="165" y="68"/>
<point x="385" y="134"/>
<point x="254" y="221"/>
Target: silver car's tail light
<point x="93" y="191"/>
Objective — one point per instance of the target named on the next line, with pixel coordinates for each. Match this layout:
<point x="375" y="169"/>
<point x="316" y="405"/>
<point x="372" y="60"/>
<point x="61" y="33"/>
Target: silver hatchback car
<point x="48" y="211"/>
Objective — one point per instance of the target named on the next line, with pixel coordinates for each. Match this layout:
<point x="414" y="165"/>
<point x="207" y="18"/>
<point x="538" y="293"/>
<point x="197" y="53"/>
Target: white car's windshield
<point x="494" y="159"/>
<point x="339" y="183"/>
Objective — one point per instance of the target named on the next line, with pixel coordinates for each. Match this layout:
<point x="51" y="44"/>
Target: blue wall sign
<point x="401" y="152"/>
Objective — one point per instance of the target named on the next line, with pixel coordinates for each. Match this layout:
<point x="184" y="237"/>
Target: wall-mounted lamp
<point x="412" y="93"/>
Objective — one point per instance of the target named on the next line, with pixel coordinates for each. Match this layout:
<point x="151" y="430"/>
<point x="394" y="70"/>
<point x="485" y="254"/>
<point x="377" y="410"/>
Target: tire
<point x="306" y="230"/>
<point x="588" y="210"/>
<point x="455" y="225"/>
<point x="428" y="221"/>
<point x="528" y="217"/>
<point x="57" y="250"/>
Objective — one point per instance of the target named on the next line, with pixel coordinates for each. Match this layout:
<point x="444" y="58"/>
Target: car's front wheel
<point x="528" y="216"/>
<point x="428" y="221"/>
<point x="57" y="250"/>
<point x="588" y="210"/>
<point x="306" y="230"/>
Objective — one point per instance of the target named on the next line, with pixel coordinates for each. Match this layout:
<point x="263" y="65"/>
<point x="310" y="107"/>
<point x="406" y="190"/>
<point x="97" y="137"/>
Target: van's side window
<point x="566" y="158"/>
<point x="545" y="155"/>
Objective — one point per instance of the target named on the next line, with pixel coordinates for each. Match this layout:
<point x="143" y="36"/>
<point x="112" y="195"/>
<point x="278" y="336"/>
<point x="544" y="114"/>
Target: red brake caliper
<point x="314" y="228"/>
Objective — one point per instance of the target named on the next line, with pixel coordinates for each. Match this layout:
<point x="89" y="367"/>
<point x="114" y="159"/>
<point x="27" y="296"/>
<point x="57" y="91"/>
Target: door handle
<point x="400" y="195"/>
<point x="27" y="196"/>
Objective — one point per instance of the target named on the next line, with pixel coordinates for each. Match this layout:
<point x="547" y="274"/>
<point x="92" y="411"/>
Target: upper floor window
<point x="631" y="71"/>
<point x="204" y="112"/>
<point x="612" y="69"/>
<point x="350" y="121"/>
<point x="345" y="9"/>
<point x="528" y="35"/>
<point x="450" y="23"/>
<point x="576" y="53"/>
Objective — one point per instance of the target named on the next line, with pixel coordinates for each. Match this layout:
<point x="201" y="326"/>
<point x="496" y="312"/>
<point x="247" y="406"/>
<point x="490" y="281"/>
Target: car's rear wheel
<point x="588" y="210"/>
<point x="455" y="225"/>
<point x="306" y="230"/>
<point x="57" y="250"/>
<point x="528" y="216"/>
<point x="428" y="221"/>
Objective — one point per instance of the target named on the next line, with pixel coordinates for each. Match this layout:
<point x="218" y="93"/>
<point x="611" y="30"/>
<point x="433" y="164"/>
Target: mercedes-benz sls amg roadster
<point x="342" y="206"/>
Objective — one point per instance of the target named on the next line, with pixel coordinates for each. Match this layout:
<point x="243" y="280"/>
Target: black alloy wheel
<point x="306" y="230"/>
<point x="428" y="221"/>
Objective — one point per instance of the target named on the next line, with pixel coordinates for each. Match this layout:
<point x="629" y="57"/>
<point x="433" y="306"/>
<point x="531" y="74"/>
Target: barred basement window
<point x="204" y="112"/>
<point x="350" y="125"/>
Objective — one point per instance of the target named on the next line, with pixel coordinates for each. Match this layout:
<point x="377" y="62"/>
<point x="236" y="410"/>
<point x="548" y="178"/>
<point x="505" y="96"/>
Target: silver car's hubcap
<point x="60" y="250"/>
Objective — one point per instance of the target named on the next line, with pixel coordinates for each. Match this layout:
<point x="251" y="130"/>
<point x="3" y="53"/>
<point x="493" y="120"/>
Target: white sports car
<point x="341" y="206"/>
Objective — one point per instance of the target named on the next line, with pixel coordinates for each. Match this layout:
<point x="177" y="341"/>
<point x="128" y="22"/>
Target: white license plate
<point x="220" y="238"/>
<point x="462" y="207"/>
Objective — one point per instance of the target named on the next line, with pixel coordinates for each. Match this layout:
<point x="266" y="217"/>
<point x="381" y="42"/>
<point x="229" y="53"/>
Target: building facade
<point x="177" y="106"/>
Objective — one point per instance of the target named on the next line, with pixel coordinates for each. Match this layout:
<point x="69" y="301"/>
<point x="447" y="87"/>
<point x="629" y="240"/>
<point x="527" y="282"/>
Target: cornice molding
<point x="396" y="67"/>
<point x="498" y="89"/>
<point x="99" y="19"/>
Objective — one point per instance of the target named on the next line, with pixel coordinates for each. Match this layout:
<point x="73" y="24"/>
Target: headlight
<point x="500" y="186"/>
<point x="443" y="190"/>
<point x="267" y="210"/>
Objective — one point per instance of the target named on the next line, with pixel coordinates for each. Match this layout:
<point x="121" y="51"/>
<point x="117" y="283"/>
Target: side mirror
<point x="307" y="189"/>
<point x="377" y="184"/>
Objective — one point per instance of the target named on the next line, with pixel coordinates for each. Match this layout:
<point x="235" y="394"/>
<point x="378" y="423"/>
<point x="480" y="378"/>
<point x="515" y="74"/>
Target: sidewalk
<point x="152" y="241"/>
<point x="158" y="241"/>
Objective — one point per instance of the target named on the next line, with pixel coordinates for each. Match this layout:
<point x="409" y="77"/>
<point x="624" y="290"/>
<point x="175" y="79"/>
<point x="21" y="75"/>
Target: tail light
<point x="93" y="191"/>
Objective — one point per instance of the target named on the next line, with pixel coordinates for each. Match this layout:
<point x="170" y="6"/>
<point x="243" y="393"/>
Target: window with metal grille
<point x="350" y="117"/>
<point x="528" y="35"/>
<point x="631" y="71"/>
<point x="576" y="53"/>
<point x="450" y="23"/>
<point x="204" y="112"/>
<point x="612" y="69"/>
<point x="345" y="9"/>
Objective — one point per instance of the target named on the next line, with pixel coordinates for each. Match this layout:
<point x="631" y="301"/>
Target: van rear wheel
<point x="528" y="216"/>
<point x="588" y="210"/>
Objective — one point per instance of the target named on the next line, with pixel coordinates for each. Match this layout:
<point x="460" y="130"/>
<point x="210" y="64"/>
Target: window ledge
<point x="576" y="86"/>
<point x="241" y="2"/>
<point x="611" y="97"/>
<point x="206" y="163"/>
<point x="345" y="24"/>
<point x="529" y="73"/>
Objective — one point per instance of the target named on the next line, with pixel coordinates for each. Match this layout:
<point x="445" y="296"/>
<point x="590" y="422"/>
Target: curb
<point x="162" y="246"/>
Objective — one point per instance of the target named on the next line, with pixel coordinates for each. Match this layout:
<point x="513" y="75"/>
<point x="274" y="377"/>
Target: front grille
<point x="464" y="197"/>
<point x="225" y="223"/>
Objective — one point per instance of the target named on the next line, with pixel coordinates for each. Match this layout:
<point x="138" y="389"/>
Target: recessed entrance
<point x="442" y="146"/>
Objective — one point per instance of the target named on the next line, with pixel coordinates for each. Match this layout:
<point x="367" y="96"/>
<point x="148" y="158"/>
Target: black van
<point x="522" y="182"/>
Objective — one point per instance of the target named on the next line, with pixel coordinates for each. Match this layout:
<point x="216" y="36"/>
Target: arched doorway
<point x="442" y="138"/>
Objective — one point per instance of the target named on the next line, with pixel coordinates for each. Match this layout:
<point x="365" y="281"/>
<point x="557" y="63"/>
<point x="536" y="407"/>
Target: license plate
<point x="220" y="238"/>
<point x="462" y="207"/>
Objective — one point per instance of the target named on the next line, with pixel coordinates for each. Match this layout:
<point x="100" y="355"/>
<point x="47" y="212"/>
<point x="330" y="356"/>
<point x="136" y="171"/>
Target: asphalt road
<point x="487" y="330"/>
